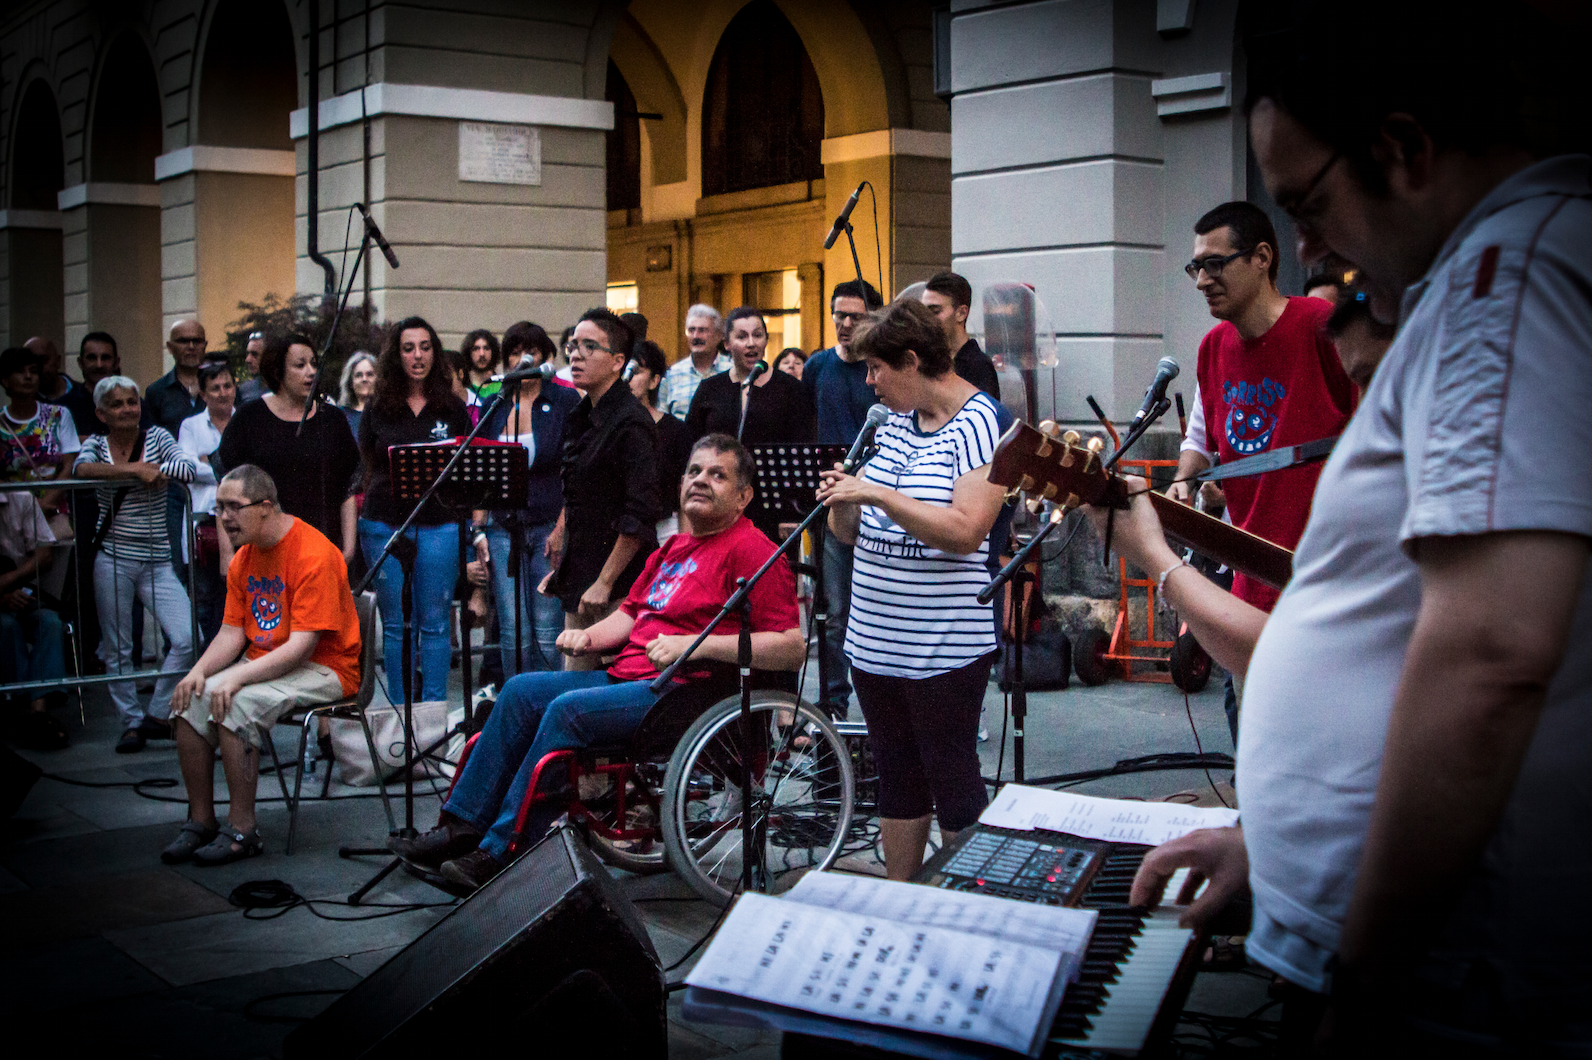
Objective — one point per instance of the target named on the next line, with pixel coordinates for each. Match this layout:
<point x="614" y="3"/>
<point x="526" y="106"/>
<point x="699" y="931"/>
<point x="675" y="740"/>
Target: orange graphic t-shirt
<point x="300" y="584"/>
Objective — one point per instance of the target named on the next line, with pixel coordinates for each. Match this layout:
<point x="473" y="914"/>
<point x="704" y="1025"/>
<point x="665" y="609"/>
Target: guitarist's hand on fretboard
<point x="1136" y="534"/>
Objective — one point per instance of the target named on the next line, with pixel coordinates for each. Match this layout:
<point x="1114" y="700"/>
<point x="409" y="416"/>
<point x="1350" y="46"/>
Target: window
<point x="763" y="114"/>
<point x="623" y="297"/>
<point x="779" y="296"/>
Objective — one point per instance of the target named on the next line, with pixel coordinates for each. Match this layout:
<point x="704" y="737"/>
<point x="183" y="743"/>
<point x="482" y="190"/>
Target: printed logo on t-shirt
<point x="1251" y="414"/>
<point x="439" y="431"/>
<point x="669" y="579"/>
<point x="265" y="603"/>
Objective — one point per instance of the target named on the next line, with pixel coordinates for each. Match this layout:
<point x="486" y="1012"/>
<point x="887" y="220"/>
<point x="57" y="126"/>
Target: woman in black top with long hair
<point x="414" y="402"/>
<point x="674" y="448"/>
<point x="312" y="467"/>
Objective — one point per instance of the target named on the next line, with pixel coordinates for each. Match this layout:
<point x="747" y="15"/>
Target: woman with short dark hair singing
<point x="919" y="642"/>
<point x="312" y="467"/>
<point x="414" y="402"/>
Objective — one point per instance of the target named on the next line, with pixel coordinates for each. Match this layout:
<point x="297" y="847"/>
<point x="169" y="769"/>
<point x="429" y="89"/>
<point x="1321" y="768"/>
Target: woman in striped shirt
<point x="134" y="561"/>
<point x="919" y="642"/>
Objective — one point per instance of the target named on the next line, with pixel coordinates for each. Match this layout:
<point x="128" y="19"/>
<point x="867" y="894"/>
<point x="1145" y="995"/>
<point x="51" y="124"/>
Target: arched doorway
<point x="240" y="184"/>
<point x="762" y="113"/>
<point x="122" y="244"/>
<point x="33" y="234"/>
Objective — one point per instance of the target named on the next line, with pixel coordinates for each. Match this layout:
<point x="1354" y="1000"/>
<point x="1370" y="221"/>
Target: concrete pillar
<point x="517" y="232"/>
<point x="30" y="276"/>
<point x="226" y="233"/>
<point x="1085" y="143"/>
<point x="111" y="270"/>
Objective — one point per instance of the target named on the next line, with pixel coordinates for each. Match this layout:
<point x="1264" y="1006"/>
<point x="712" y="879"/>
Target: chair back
<point x="365" y="607"/>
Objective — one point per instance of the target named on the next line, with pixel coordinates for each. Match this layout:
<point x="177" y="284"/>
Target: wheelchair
<point x="669" y="797"/>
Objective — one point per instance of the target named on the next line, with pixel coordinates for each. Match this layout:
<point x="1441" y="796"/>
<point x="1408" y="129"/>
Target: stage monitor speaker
<point x="549" y="950"/>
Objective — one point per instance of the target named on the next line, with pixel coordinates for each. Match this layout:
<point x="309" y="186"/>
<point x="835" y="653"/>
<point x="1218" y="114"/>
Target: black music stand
<point x="465" y="474"/>
<point x="787" y="490"/>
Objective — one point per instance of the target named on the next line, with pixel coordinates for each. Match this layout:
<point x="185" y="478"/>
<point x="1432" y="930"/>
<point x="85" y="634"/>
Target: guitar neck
<point x="1223" y="542"/>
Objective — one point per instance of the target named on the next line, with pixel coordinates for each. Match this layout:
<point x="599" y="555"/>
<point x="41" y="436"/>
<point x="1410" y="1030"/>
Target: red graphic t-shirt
<point x="687" y="580"/>
<point x="1281" y="389"/>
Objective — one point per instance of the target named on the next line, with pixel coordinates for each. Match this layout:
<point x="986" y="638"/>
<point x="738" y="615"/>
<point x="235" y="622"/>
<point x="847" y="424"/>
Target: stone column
<point x="111" y="270"/>
<point x="514" y="229"/>
<point x="226" y="232"/>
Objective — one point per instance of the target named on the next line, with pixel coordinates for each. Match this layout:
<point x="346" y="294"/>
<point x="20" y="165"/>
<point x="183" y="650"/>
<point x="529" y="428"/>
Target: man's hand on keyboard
<point x="1214" y="856"/>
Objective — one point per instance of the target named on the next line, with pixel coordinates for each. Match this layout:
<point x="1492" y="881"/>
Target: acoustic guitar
<point x="1048" y="465"/>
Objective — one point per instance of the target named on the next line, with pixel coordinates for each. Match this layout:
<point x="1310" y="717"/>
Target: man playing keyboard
<point x="1413" y="755"/>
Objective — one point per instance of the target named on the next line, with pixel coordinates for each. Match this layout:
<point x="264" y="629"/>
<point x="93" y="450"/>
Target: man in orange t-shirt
<point x="289" y="638"/>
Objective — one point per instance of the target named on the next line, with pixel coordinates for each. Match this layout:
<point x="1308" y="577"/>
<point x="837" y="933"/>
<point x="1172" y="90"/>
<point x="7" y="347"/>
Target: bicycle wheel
<point x="802" y="783"/>
<point x="641" y="853"/>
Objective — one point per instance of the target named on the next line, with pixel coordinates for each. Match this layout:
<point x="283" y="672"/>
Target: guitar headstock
<point x="1050" y="465"/>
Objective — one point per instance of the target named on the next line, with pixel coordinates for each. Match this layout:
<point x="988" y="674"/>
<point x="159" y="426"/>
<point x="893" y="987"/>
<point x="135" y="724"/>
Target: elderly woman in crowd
<point x="919" y="642"/>
<point x="133" y="560"/>
<point x="356" y="387"/>
<point x="414" y="402"/>
<point x="199" y="438"/>
<point x="312" y="466"/>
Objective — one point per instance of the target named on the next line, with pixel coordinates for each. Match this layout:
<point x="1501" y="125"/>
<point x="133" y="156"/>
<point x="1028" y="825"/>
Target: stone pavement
<point x="115" y="950"/>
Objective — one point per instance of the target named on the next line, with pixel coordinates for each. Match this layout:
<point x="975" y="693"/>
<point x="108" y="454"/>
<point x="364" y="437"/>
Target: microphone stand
<point x="752" y="871"/>
<point x="331" y="336"/>
<point x="1016" y="570"/>
<point x="400" y="546"/>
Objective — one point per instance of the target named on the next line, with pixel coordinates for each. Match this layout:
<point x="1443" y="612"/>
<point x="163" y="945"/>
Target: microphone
<point x="757" y="369"/>
<point x="877" y="415"/>
<point x="1165" y="372"/>
<point x="375" y="233"/>
<point x="630" y="369"/>
<point x="844" y="218"/>
<point x="543" y="371"/>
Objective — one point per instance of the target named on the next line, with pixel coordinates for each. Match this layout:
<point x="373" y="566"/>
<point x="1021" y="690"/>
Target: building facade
<point x="530" y="158"/>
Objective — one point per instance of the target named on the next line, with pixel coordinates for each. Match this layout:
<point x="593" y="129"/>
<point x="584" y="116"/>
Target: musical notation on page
<point x="1026" y="809"/>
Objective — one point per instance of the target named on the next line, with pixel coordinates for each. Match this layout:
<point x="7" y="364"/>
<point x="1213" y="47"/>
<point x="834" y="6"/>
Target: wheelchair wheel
<point x="643" y="855"/>
<point x="802" y="776"/>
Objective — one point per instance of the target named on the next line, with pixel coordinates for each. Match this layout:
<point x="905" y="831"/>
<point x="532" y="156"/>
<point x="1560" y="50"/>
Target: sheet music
<point x="1031" y="923"/>
<point x="1114" y="820"/>
<point x="864" y="967"/>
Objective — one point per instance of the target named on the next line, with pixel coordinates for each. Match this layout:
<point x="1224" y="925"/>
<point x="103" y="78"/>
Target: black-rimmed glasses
<point x="584" y="347"/>
<point x="234" y="507"/>
<point x="1213" y="265"/>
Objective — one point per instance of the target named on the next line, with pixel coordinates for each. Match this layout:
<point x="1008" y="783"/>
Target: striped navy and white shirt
<point x="914" y="609"/>
<point x="139" y="530"/>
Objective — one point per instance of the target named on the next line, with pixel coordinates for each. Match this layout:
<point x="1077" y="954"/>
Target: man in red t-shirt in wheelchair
<point x="683" y="586"/>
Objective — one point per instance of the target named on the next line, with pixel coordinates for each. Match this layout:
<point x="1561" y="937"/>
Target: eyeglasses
<point x="189" y="342"/>
<point x="1294" y="208"/>
<point x="585" y="347"/>
<point x="234" y="507"/>
<point x="841" y="318"/>
<point x="1213" y="265"/>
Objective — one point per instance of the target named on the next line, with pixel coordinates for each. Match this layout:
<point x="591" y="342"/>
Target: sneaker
<point x="983" y="729"/>
<point x="473" y="870"/>
<point x="132" y="742"/>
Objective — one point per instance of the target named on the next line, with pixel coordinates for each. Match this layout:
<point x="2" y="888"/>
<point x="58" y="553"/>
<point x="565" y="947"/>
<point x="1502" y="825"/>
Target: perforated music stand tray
<point x="787" y="478"/>
<point x="490" y="475"/>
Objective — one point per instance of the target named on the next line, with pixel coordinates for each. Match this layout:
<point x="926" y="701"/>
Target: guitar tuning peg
<point x="1048" y="428"/>
<point x="1072" y="501"/>
<point x="1095" y="445"/>
<point x="1034" y="504"/>
<point x="1026" y="485"/>
<point x="1048" y="492"/>
<point x="1012" y="494"/>
<point x="1071" y="437"/>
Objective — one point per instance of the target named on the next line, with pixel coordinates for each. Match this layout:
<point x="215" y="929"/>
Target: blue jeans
<point x="542" y="614"/>
<point x="837" y="588"/>
<point x="31" y="648"/>
<point x="436" y="573"/>
<point x="534" y="715"/>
